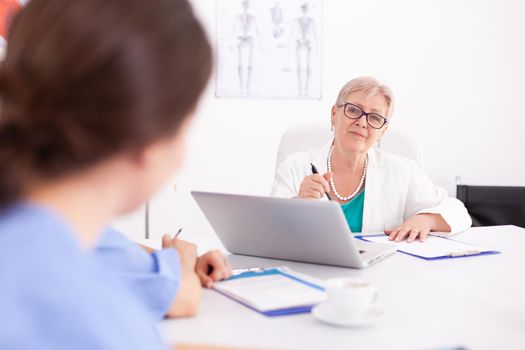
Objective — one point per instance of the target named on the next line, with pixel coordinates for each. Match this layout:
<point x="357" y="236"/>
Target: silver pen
<point x="236" y="272"/>
<point x="464" y="253"/>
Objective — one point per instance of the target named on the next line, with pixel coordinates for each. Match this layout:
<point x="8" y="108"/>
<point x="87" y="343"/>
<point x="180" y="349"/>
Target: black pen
<point x="178" y="233"/>
<point x="314" y="171"/>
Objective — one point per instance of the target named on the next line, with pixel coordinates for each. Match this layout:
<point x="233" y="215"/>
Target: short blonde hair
<point x="370" y="86"/>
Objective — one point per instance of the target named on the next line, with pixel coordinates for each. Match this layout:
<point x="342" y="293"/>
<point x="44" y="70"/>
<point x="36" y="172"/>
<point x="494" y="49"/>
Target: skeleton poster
<point x="269" y="49"/>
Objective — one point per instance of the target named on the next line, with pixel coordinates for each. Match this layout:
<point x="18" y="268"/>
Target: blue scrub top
<point x="54" y="295"/>
<point x="154" y="277"/>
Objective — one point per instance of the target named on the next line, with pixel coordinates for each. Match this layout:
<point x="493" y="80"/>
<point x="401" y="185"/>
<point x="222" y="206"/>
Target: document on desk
<point x="433" y="248"/>
<point x="273" y="292"/>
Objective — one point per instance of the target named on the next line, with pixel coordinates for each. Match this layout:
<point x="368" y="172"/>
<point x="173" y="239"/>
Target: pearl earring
<point x="379" y="143"/>
<point x="332" y="128"/>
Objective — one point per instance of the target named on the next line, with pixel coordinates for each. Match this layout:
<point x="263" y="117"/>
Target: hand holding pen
<point x="168" y="242"/>
<point x="209" y="268"/>
<point x="315" y="186"/>
<point x="187" y="251"/>
<point x="326" y="177"/>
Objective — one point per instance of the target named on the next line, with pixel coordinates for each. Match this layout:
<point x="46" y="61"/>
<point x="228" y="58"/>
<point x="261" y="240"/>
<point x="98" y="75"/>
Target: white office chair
<point x="309" y="136"/>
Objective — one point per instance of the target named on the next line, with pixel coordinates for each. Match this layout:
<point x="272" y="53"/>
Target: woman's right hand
<point x="187" y="299"/>
<point x="187" y="251"/>
<point x="314" y="186"/>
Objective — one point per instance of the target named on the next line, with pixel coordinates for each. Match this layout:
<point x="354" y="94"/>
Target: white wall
<point x="457" y="69"/>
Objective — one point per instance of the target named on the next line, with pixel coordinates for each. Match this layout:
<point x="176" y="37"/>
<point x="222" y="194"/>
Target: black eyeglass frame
<point x="363" y="113"/>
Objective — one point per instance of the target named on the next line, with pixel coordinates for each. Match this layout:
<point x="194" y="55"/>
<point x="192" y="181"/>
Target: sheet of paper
<point x="271" y="292"/>
<point x="431" y="247"/>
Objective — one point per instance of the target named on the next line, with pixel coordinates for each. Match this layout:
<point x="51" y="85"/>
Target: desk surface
<point x="475" y="302"/>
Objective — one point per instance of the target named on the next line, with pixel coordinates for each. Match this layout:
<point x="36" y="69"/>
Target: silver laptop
<point x="289" y="229"/>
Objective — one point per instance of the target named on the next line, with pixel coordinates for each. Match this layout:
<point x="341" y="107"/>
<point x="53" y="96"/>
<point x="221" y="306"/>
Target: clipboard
<point x="259" y="289"/>
<point x="434" y="248"/>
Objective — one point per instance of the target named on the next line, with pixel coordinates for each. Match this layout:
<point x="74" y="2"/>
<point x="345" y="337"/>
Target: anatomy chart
<point x="269" y="49"/>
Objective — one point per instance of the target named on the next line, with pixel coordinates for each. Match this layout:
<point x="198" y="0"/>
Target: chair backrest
<point x="494" y="205"/>
<point x="309" y="136"/>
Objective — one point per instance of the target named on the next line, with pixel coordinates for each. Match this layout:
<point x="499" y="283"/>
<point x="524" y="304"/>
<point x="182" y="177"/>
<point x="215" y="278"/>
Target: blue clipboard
<point x="452" y="255"/>
<point x="256" y="272"/>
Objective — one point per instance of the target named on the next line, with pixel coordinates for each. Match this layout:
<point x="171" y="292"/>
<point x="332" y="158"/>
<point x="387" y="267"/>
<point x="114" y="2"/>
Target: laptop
<point x="288" y="229"/>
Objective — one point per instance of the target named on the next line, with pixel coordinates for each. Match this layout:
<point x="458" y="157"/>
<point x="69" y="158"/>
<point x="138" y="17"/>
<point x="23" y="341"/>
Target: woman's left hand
<point x="212" y="267"/>
<point x="417" y="227"/>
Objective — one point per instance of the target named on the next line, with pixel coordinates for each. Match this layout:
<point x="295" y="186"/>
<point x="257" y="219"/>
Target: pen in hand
<point x="314" y="171"/>
<point x="178" y="233"/>
<point x="167" y="241"/>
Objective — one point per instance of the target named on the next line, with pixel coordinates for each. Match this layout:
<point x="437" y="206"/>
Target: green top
<point x="353" y="211"/>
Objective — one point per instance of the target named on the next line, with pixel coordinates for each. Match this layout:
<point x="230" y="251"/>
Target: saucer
<point x="325" y="312"/>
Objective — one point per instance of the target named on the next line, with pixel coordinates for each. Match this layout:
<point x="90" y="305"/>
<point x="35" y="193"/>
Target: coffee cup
<point x="350" y="297"/>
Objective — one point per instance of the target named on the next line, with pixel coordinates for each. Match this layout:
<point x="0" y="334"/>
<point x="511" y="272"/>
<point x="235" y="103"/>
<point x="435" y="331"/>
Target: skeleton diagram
<point x="276" y="14"/>
<point x="304" y="35"/>
<point x="245" y="33"/>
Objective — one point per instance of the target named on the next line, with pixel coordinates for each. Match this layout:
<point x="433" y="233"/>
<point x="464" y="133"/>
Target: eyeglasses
<point x="355" y="112"/>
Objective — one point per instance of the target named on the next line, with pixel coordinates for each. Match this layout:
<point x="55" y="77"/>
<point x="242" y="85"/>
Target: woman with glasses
<point x="378" y="191"/>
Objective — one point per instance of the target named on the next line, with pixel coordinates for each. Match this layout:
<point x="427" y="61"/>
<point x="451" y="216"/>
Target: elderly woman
<point x="378" y="191"/>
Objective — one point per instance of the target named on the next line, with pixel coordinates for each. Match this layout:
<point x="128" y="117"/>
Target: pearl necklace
<point x="332" y="183"/>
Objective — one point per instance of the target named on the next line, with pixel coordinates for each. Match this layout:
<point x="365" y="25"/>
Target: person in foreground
<point x="378" y="191"/>
<point x="96" y="100"/>
<point x="155" y="275"/>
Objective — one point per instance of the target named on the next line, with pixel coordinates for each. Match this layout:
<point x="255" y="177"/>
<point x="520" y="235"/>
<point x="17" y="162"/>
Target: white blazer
<point x="396" y="189"/>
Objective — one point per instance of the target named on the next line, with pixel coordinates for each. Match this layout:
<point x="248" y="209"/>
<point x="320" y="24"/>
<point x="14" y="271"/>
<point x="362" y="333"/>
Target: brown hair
<point x="84" y="80"/>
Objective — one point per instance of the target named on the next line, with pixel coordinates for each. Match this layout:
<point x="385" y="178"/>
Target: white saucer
<point x="325" y="312"/>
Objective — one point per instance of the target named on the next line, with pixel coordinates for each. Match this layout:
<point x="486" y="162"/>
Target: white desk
<point x="475" y="302"/>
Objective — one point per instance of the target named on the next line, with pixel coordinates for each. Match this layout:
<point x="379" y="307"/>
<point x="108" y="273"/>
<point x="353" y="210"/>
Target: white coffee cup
<point x="350" y="297"/>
